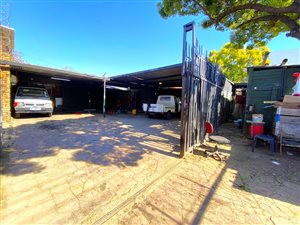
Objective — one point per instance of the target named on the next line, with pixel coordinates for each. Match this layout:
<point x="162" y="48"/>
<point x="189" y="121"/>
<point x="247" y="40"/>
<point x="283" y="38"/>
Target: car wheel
<point x="168" y="115"/>
<point x="49" y="114"/>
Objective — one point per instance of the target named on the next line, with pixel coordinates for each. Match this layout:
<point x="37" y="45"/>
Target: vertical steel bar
<point x="188" y="115"/>
<point x="104" y="96"/>
<point x="190" y="127"/>
<point x="183" y="90"/>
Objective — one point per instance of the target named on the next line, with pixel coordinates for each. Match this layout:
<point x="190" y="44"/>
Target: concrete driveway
<point x="67" y="168"/>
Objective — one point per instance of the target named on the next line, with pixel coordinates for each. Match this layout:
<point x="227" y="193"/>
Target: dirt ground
<point x="124" y="169"/>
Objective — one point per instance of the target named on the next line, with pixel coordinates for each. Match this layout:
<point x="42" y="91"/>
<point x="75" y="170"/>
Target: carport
<point x="76" y="92"/>
<point x="144" y="87"/>
<point x="70" y="91"/>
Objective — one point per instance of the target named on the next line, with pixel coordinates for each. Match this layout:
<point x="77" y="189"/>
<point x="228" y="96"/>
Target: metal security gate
<point x="202" y="84"/>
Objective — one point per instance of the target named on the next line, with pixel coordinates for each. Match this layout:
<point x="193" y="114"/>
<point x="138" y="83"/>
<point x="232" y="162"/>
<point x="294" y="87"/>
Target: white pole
<point x="104" y="95"/>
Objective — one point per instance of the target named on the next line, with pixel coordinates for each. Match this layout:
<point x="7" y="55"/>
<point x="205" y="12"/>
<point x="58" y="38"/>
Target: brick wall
<point x="5" y="95"/>
<point x="7" y="40"/>
<point x="6" y="48"/>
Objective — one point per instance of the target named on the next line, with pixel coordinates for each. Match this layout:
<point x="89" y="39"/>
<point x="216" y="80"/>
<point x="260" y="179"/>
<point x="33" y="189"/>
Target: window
<point x="32" y="92"/>
<point x="165" y="99"/>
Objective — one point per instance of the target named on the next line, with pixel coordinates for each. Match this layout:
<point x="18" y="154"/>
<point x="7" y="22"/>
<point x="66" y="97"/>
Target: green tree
<point x="254" y="22"/>
<point x="234" y="62"/>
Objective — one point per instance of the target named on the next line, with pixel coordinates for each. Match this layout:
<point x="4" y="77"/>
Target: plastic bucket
<point x="145" y="107"/>
<point x="257" y="117"/>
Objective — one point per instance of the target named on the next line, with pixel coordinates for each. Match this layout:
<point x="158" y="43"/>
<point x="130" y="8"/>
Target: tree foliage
<point x="17" y="57"/>
<point x="251" y="21"/>
<point x="234" y="62"/>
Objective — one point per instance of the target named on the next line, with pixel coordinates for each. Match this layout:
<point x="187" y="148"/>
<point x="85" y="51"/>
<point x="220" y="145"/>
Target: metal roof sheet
<point x="272" y="67"/>
<point x="167" y="74"/>
<point x="47" y="71"/>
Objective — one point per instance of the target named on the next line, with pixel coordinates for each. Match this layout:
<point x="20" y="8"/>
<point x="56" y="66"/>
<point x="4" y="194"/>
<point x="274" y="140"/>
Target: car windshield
<point x="32" y="92"/>
<point x="165" y="99"/>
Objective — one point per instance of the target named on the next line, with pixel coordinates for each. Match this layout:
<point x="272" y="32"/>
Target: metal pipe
<point x="104" y="95"/>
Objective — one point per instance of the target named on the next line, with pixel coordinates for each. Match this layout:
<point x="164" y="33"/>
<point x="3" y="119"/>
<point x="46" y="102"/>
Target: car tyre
<point x="49" y="114"/>
<point x="168" y="115"/>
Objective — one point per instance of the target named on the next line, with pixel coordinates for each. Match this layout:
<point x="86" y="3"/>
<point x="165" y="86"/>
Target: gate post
<point x="187" y="73"/>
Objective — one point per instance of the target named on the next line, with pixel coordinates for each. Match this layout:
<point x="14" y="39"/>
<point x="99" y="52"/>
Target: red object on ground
<point x="77" y="113"/>
<point x="209" y="128"/>
<point x="255" y="129"/>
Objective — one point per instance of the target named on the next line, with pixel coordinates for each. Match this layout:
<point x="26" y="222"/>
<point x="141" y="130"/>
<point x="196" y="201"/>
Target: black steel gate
<point x="202" y="84"/>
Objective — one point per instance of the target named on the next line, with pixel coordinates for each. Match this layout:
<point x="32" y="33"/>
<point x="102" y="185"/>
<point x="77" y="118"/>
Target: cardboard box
<point x="291" y="99"/>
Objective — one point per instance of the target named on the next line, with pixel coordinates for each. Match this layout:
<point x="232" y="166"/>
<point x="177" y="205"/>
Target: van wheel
<point x="17" y="115"/>
<point x="168" y="115"/>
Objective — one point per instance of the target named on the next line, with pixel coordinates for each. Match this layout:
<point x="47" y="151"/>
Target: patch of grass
<point x="242" y="183"/>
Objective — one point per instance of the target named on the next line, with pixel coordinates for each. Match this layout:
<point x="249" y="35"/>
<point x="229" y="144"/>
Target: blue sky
<point x="113" y="37"/>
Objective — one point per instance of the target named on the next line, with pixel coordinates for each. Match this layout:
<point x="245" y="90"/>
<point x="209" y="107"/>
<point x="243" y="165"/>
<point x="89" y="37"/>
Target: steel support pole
<point x="104" y="95"/>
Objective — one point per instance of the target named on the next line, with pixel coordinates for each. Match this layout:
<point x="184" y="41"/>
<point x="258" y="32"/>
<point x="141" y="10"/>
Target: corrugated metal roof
<point x="272" y="67"/>
<point x="47" y="71"/>
<point x="168" y="75"/>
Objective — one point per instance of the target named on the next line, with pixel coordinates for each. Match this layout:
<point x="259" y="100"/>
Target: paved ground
<point x="63" y="169"/>
<point x="247" y="189"/>
<point x="74" y="169"/>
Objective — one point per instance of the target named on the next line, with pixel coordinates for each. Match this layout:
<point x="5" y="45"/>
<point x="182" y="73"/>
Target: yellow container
<point x="134" y="112"/>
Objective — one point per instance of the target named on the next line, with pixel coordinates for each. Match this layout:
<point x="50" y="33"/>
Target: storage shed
<point x="266" y="85"/>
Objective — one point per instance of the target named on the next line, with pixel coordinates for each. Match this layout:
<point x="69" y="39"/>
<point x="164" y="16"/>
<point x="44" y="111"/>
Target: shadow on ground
<point x="256" y="171"/>
<point x="122" y="141"/>
<point x="115" y="140"/>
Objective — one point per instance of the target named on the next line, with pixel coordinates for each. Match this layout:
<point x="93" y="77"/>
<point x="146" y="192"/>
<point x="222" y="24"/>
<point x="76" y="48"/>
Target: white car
<point x="165" y="106"/>
<point x="32" y="100"/>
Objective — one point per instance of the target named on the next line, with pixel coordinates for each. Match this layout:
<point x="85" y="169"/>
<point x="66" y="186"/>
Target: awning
<point x="47" y="71"/>
<point x="168" y="76"/>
